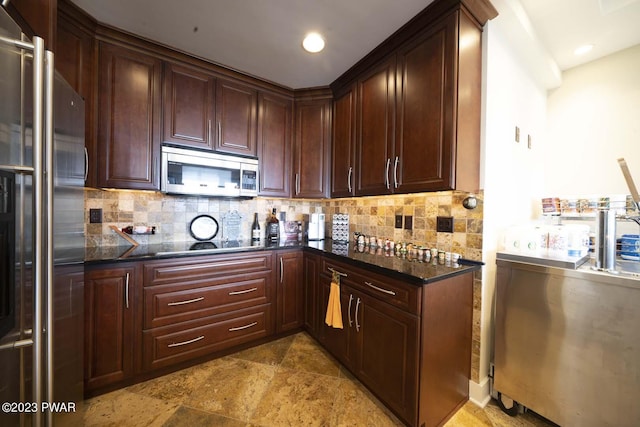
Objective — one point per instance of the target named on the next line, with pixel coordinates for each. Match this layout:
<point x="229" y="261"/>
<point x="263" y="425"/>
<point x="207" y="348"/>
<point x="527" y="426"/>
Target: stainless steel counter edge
<point x="584" y="272"/>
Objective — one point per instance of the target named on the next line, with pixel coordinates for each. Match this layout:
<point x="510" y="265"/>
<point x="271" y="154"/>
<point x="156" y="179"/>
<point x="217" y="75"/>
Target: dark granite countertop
<point x="403" y="268"/>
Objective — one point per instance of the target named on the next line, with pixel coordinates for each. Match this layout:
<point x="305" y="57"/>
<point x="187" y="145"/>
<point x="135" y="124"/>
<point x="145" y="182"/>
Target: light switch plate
<point x="398" y="221"/>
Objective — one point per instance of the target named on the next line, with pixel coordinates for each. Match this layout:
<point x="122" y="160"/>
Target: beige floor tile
<point x="174" y="387"/>
<point x="232" y="388"/>
<point x="123" y="408"/>
<point x="288" y="382"/>
<point x="297" y="398"/>
<point x="469" y="415"/>
<point x="270" y="353"/>
<point x="306" y="355"/>
<point x="188" y="417"/>
<point x="354" y="406"/>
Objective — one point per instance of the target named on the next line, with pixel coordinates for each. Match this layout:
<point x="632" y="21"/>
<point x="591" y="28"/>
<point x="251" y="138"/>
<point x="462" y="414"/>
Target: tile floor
<point x="288" y="382"/>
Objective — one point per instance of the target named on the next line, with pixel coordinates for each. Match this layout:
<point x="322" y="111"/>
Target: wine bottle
<point x="255" y="229"/>
<point x="273" y="227"/>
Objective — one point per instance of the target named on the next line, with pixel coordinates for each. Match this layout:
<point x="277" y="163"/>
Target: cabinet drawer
<point x="190" y="269"/>
<point x="185" y="341"/>
<point x="387" y="289"/>
<point x="170" y="304"/>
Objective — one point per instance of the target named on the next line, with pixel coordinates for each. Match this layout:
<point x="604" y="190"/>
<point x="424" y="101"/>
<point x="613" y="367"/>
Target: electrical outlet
<point x="408" y="222"/>
<point x="517" y="134"/>
<point x="95" y="216"/>
<point x="398" y="221"/>
<point x="444" y="224"/>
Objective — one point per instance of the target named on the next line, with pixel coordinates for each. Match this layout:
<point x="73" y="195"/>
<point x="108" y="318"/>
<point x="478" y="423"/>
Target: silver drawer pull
<point x="239" y="328"/>
<point x="386" y="291"/>
<point x="189" y="301"/>
<point x="337" y="272"/>
<point x="178" y="344"/>
<point x="246" y="291"/>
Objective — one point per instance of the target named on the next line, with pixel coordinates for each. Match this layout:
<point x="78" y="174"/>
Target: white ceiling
<point x="263" y="37"/>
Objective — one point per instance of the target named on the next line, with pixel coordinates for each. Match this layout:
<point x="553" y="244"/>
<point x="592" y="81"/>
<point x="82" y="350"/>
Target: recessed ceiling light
<point x="583" y="49"/>
<point x="313" y="42"/>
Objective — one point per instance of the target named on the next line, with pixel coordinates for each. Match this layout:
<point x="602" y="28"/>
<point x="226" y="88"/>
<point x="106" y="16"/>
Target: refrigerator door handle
<point x="86" y="163"/>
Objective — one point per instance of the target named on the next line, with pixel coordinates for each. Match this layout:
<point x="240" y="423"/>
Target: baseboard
<point x="480" y="394"/>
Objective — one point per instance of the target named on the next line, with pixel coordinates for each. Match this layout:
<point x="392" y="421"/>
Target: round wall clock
<point x="203" y="227"/>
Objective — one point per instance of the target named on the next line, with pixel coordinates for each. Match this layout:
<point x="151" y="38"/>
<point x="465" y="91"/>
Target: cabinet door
<point x="387" y="341"/>
<point x="337" y="341"/>
<point x="343" y="146"/>
<point x="311" y="290"/>
<point x="189" y="107"/>
<point x="128" y="119"/>
<point x="109" y="325"/>
<point x="425" y="128"/>
<point x="375" y="127"/>
<point x="311" y="162"/>
<point x="274" y="144"/>
<point x="236" y="116"/>
<point x="290" y="291"/>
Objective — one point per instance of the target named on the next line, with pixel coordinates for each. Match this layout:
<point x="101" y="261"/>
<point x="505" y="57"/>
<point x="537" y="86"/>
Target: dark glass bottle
<point x="255" y="228"/>
<point x="273" y="227"/>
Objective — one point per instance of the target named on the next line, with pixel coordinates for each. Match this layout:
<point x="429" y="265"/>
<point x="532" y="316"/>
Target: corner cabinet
<point x="275" y="118"/>
<point x="129" y="117"/>
<point x="312" y="147"/>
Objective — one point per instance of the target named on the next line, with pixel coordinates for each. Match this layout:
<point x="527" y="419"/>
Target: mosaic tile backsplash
<point x="372" y="216"/>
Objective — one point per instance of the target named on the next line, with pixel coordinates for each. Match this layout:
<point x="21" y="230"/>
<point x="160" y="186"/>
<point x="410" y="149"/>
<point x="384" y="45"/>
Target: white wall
<point x="593" y="119"/>
<point x="581" y="122"/>
<point x="511" y="170"/>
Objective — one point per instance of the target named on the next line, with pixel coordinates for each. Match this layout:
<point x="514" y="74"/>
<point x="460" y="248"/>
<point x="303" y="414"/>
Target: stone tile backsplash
<point x="375" y="216"/>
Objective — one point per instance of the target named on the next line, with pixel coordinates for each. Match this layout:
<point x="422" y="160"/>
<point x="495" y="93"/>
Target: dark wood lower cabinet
<point x="110" y="295"/>
<point x="163" y="347"/>
<point x="290" y="292"/>
<point x="386" y="361"/>
<point x="410" y="344"/>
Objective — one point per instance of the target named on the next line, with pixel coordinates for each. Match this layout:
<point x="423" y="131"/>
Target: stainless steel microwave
<point x="202" y="173"/>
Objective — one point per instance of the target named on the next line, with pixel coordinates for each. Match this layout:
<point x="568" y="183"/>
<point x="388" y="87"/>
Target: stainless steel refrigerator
<point x="42" y="172"/>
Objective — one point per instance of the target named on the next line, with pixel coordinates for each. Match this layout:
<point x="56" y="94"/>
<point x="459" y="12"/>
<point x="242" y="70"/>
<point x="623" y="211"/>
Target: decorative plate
<point x="203" y="227"/>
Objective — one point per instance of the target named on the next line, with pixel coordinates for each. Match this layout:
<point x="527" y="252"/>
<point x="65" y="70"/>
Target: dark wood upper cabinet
<point x="375" y="125"/>
<point x="312" y="147"/>
<point x="129" y="117"/>
<point x="36" y="18"/>
<point x="274" y="144"/>
<point x="343" y="165"/>
<point x="426" y="105"/>
<point x="236" y="115"/>
<point x="189" y="107"/>
<point x="418" y="106"/>
<point x="74" y="60"/>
